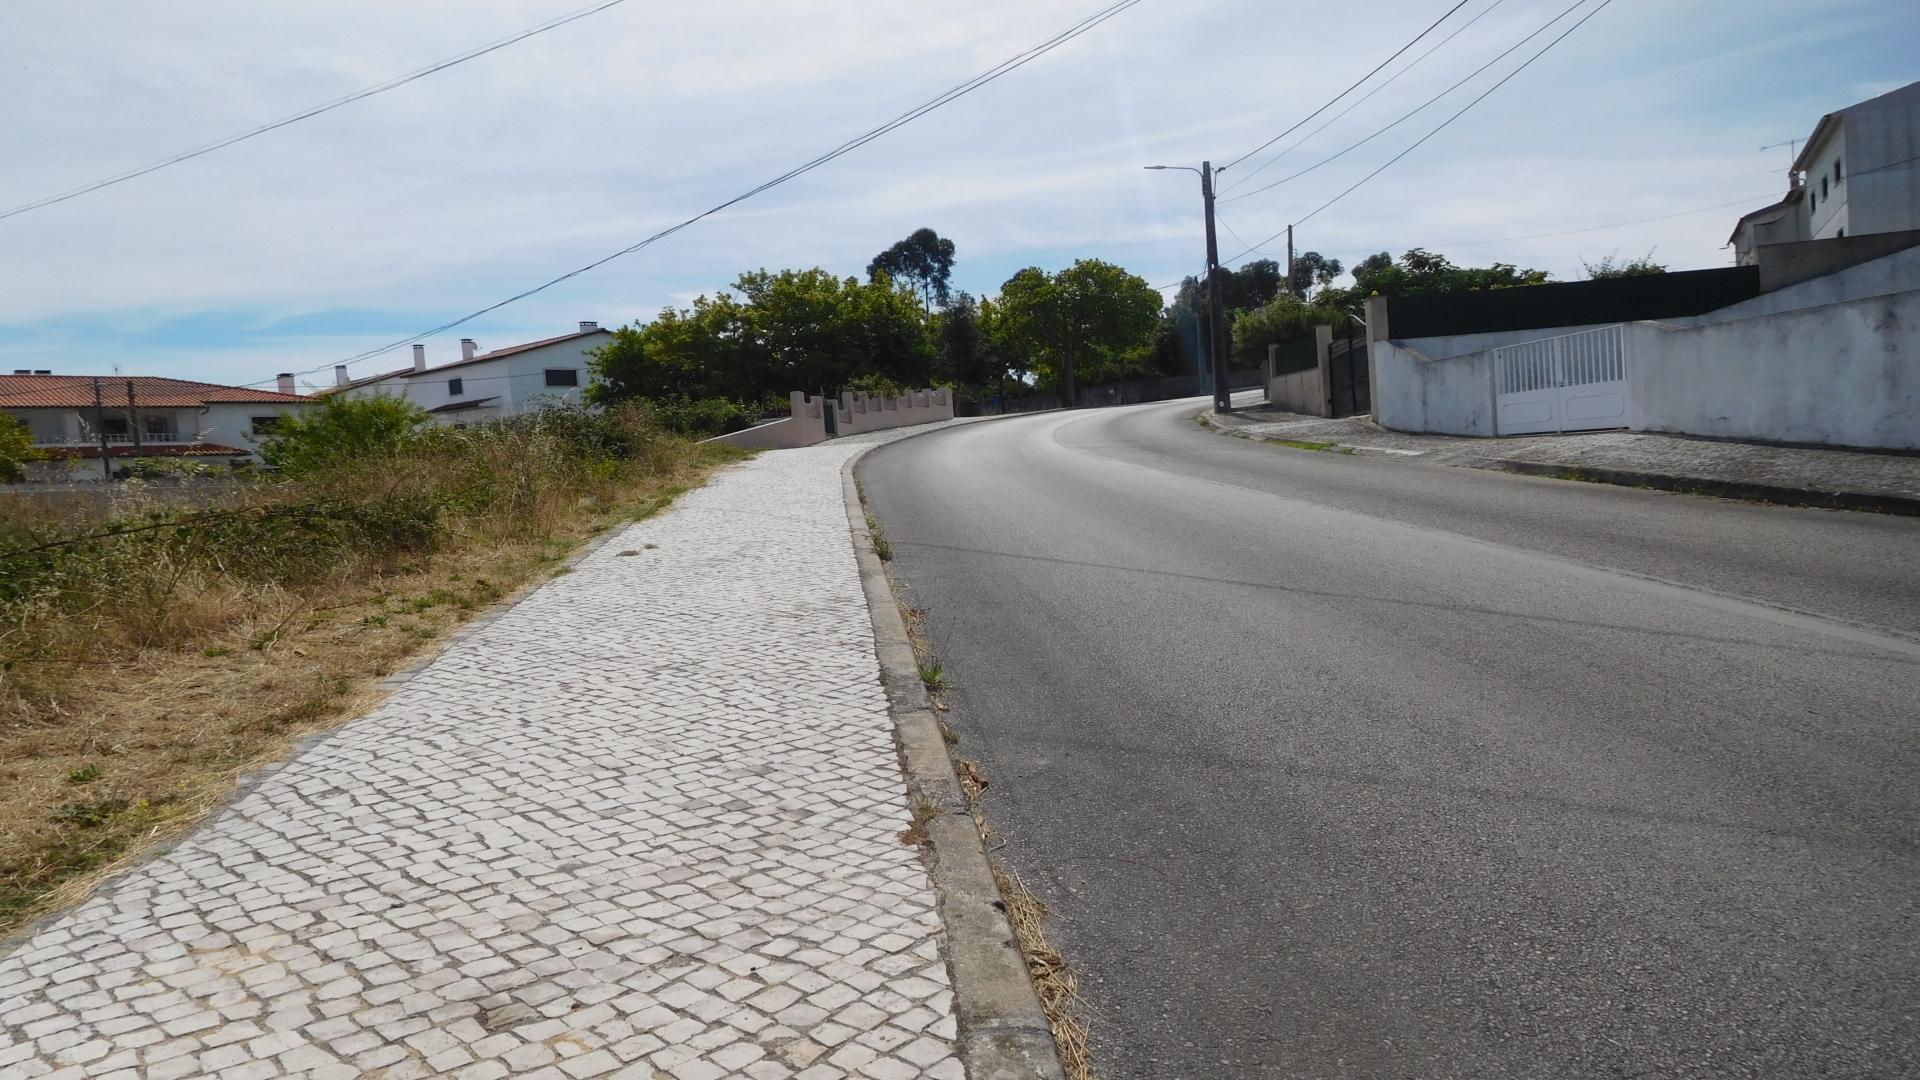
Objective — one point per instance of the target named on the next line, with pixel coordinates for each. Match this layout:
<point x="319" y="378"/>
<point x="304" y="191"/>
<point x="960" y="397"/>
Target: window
<point x="455" y="388"/>
<point x="264" y="425"/>
<point x="1837" y="174"/>
<point x="159" y="425"/>
<point x="1842" y="232"/>
<point x="1823" y="187"/>
<point x="563" y="376"/>
<point x="115" y="425"/>
<point x="1812" y="201"/>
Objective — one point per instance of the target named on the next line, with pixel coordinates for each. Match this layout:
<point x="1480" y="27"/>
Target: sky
<point x="404" y="211"/>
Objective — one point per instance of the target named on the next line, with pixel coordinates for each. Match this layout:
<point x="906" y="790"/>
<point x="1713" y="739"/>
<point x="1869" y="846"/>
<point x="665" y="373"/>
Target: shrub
<point x="16" y="448"/>
<point x="340" y="428"/>
<point x="703" y="418"/>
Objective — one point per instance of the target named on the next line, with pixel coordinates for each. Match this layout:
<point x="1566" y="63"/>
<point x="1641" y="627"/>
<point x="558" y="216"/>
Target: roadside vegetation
<point x="153" y="647"/>
<point x="734" y="356"/>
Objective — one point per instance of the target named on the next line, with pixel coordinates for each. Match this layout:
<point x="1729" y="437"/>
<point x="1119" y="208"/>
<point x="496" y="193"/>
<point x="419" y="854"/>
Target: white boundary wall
<point x="853" y="414"/>
<point x="1837" y="374"/>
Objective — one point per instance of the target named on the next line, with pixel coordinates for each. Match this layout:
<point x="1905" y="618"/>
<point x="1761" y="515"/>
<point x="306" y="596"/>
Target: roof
<point x="1792" y="197"/>
<point x="463" y="406"/>
<point x="76" y="391"/>
<point x="200" y="449"/>
<point x="496" y="354"/>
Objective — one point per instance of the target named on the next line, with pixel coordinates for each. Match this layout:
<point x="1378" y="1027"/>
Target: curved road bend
<point x="1335" y="766"/>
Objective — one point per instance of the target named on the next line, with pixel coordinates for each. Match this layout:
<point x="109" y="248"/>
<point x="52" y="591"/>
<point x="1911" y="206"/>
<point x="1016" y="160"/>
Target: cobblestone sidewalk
<point x="1890" y="475"/>
<point x="641" y="825"/>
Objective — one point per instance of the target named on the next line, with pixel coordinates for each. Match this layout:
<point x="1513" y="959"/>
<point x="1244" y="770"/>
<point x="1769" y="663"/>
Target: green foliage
<point x="1421" y="273"/>
<point x="963" y="356"/>
<point x="794" y="330"/>
<point x="341" y="428"/>
<point x="1093" y="314"/>
<point x="923" y="261"/>
<point x="1612" y="266"/>
<point x="1282" y="319"/>
<point x="702" y="418"/>
<point x="1312" y="269"/>
<point x="85" y="774"/>
<point x="16" y="448"/>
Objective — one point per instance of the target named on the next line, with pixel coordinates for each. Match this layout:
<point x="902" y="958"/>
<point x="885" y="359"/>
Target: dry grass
<point x="1059" y="990"/>
<point x="123" y="728"/>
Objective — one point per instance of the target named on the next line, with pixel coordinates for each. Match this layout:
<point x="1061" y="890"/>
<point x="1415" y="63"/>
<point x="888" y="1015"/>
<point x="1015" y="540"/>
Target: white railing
<point x="146" y="439"/>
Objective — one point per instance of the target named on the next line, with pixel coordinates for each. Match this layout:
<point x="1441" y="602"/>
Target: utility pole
<point x="1222" y="398"/>
<point x="100" y="426"/>
<point x="1290" y="287"/>
<point x="133" y="420"/>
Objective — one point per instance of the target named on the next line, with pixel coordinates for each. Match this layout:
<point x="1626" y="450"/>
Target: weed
<point x="264" y="640"/>
<point x="1302" y="444"/>
<point x="85" y="774"/>
<point x="89" y="815"/>
<point x="216" y="650"/>
<point x="921" y="811"/>
<point x="934" y="676"/>
<point x="948" y="735"/>
<point x="878" y="537"/>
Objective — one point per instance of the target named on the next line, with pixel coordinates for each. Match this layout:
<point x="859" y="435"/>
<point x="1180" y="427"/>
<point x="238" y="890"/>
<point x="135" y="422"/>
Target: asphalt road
<point x="1338" y="766"/>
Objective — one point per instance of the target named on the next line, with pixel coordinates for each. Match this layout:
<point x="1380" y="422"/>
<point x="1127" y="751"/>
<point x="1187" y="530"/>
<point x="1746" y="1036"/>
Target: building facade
<point x="485" y="386"/>
<point x="76" y="419"/>
<point x="1858" y="174"/>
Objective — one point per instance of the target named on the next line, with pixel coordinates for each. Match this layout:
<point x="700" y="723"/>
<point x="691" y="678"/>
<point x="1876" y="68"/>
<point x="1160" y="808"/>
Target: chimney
<point x="23" y="371"/>
<point x="468" y="348"/>
<point x="44" y="371"/>
<point x="285" y="382"/>
<point x="588" y="326"/>
<point x="340" y="376"/>
<point x="419" y="358"/>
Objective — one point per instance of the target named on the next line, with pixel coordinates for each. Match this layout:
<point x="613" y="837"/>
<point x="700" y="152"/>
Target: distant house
<point x="74" y="418"/>
<point x="482" y="386"/>
<point x="1858" y="174"/>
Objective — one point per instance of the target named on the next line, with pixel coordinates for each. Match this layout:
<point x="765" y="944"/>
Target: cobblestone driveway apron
<point x="641" y="825"/>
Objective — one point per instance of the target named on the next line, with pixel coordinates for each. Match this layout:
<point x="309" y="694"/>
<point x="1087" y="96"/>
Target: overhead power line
<point x="221" y="144"/>
<point x="1611" y="224"/>
<point x="1366" y="97"/>
<point x="1335" y="98"/>
<point x="1437" y="130"/>
<point x="1417" y="110"/>
<point x="953" y="93"/>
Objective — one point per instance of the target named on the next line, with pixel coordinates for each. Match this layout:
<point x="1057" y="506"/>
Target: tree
<point x="792" y="330"/>
<point x="1612" y="266"/>
<point x="1283" y="319"/>
<point x="16" y="448"/>
<point x="339" y="429"/>
<point x="1311" y="268"/>
<point x="963" y="356"/>
<point x="922" y="260"/>
<point x="1089" y="323"/>
<point x="1420" y="273"/>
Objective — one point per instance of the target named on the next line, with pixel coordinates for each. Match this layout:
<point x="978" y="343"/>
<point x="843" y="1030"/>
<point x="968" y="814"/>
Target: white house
<point x="1858" y="174"/>
<point x="74" y="418"/>
<point x="484" y="386"/>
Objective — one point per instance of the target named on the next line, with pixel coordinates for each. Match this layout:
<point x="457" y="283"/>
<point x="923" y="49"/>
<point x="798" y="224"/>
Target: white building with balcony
<point x="488" y="385"/>
<point x="79" y="418"/>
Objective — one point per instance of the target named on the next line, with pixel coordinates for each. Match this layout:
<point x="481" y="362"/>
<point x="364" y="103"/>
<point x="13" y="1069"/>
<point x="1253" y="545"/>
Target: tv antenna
<point x="1793" y="147"/>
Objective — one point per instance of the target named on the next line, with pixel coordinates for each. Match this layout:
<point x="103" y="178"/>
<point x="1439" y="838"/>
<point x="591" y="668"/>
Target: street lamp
<point x="1222" y="397"/>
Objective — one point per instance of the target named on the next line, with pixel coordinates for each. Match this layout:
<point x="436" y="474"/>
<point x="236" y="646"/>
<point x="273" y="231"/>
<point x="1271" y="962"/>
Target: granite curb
<point x="1003" y="1031"/>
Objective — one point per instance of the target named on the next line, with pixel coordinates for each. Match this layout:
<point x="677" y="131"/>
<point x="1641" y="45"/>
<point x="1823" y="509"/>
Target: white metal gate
<point x="1574" y="382"/>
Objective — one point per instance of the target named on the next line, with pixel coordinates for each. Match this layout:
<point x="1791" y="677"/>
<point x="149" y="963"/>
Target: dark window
<point x="115" y="425"/>
<point x="1837" y="174"/>
<point x="1812" y="201"/>
<point x="1823" y="187"/>
<point x="563" y="376"/>
<point x="264" y="424"/>
<point x="455" y="388"/>
<point x="158" y="425"/>
<point x="1842" y="232"/>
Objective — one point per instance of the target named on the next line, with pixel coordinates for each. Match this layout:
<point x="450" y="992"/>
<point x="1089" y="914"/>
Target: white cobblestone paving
<point x="642" y="825"/>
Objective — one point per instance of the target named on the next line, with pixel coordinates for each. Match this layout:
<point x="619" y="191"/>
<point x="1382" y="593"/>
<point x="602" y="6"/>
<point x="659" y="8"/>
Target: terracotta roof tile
<point x="76" y="391"/>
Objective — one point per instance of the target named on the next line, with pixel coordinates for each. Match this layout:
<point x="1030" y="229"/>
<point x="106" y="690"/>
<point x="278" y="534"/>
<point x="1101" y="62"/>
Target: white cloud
<point x="471" y="184"/>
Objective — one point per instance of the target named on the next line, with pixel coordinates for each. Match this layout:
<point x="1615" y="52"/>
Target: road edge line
<point x="1003" y="1033"/>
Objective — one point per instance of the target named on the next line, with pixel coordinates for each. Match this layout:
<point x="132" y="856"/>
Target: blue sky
<point x="398" y="213"/>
